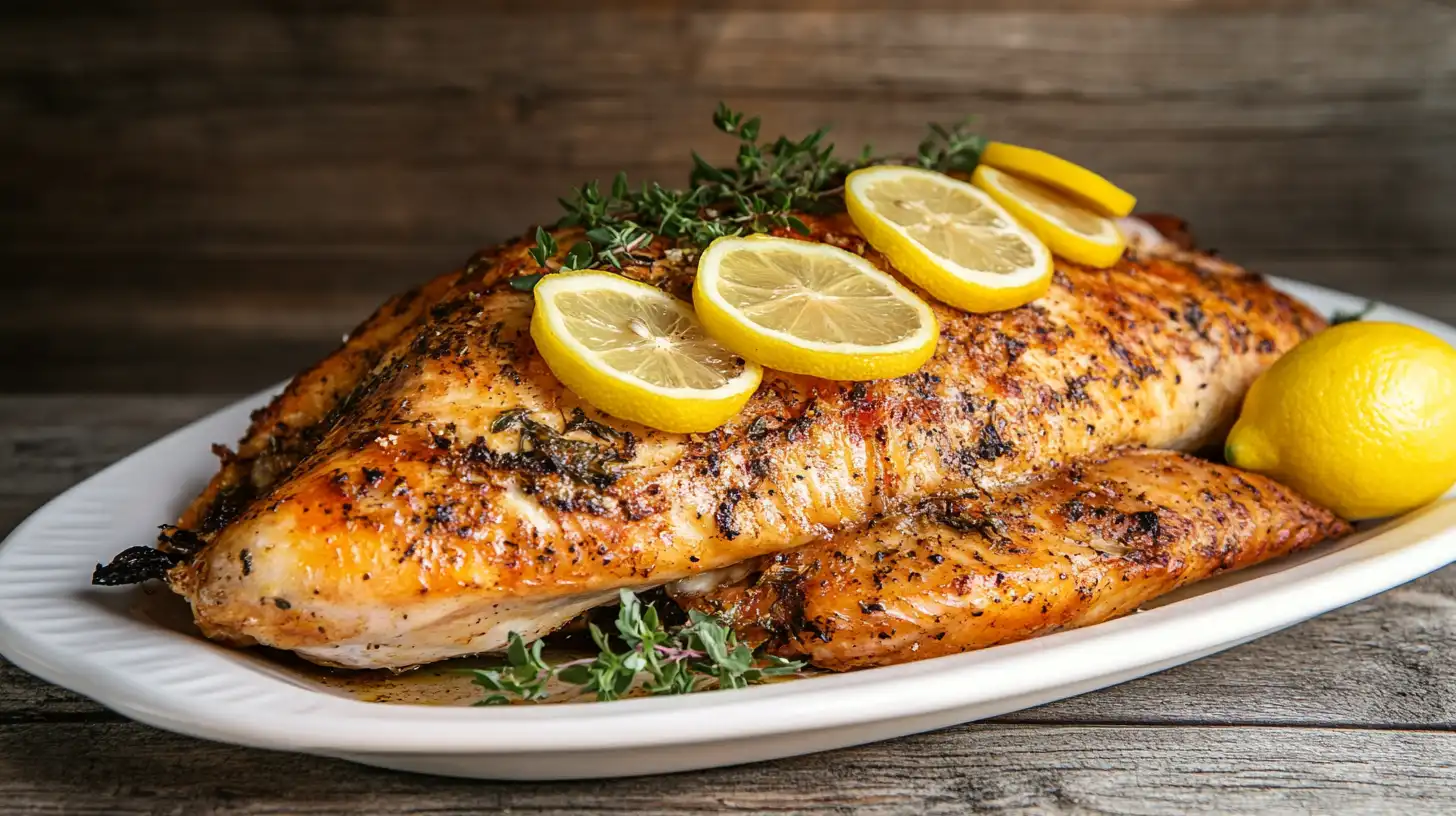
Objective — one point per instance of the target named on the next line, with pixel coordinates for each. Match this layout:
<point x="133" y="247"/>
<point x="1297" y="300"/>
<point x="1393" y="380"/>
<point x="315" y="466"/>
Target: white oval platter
<point x="93" y="640"/>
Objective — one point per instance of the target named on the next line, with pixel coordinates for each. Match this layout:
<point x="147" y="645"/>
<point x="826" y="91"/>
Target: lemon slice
<point x="949" y="237"/>
<point x="637" y="352"/>
<point x="811" y="309"/>
<point x="1068" y="228"/>
<point x="1054" y="171"/>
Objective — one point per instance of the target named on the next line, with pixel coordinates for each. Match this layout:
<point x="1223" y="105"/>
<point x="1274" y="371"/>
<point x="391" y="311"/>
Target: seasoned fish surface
<point x="432" y="486"/>
<point x="1084" y="546"/>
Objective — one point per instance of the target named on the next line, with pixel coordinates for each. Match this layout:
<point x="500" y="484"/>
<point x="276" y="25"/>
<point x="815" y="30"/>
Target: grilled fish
<point x="1088" y="544"/>
<point x="431" y="486"/>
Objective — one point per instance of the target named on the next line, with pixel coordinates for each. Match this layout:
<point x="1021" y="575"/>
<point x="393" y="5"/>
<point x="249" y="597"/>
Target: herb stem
<point x="764" y="188"/>
<point x="702" y="654"/>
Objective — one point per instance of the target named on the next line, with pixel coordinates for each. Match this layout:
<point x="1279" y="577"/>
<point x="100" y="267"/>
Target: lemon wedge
<point x="637" y="353"/>
<point x="1097" y="192"/>
<point x="1064" y="224"/>
<point x="949" y="237"/>
<point x="811" y="308"/>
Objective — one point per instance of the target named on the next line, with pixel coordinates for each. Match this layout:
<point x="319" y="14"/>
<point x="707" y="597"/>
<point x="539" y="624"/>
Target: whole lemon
<point x="1360" y="418"/>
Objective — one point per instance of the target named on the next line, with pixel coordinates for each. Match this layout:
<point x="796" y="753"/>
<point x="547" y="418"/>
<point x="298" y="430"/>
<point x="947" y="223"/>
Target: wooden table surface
<point x="197" y="199"/>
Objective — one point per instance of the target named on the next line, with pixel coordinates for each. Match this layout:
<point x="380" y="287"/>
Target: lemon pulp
<point x="637" y="353"/>
<point x="949" y="237"/>
<point x="811" y="308"/>
<point x="1064" y="224"/>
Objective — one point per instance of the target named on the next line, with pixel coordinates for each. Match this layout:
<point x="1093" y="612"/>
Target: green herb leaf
<point x="703" y="654"/>
<point x="545" y="248"/>
<point x="526" y="283"/>
<point x="575" y="675"/>
<point x="509" y="418"/>
<point x="951" y="149"/>
<point x="702" y="171"/>
<point x="579" y="256"/>
<point x="764" y="188"/>
<point x="726" y="120"/>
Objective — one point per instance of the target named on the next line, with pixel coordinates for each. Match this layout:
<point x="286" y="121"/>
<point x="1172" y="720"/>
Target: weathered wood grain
<point x="48" y="444"/>
<point x="243" y="183"/>
<point x="452" y="125"/>
<point x="1014" y="769"/>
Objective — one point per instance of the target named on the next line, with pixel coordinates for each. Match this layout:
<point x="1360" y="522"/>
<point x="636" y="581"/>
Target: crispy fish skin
<point x="1084" y="546"/>
<point x="453" y="493"/>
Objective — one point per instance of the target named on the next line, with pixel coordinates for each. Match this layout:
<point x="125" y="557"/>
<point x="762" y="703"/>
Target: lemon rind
<point x="1087" y="186"/>
<point x="1100" y="250"/>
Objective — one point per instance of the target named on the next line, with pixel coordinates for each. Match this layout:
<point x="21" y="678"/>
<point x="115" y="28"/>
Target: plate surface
<point x="103" y="643"/>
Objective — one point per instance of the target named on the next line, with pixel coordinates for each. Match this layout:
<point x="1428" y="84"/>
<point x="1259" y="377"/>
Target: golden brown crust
<point x="1089" y="544"/>
<point x="283" y="433"/>
<point x="418" y="495"/>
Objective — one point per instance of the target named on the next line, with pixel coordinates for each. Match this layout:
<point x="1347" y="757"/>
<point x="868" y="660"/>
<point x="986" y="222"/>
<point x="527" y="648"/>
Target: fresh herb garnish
<point x="767" y="183"/>
<point x="543" y="449"/>
<point x="702" y="654"/>
<point x="951" y="149"/>
<point x="526" y="283"/>
<point x="1350" y="317"/>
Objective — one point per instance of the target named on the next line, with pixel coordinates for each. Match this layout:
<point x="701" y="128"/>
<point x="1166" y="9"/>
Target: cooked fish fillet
<point x="431" y="486"/>
<point x="1089" y="544"/>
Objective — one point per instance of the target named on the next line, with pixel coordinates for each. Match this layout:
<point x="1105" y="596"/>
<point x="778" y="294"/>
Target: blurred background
<point x="204" y="197"/>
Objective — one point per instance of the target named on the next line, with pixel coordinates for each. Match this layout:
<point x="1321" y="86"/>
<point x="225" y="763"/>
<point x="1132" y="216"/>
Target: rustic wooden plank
<point x="28" y="699"/>
<point x="87" y="360"/>
<point x="48" y="444"/>
<point x="241" y="184"/>
<point x="434" y="44"/>
<point x="105" y="768"/>
<point x="1379" y="662"/>
<point x="1420" y="284"/>
<point x="1274" y="176"/>
<point x="238" y="128"/>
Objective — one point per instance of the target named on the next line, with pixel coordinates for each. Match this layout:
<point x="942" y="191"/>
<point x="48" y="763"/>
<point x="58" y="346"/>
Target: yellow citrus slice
<point x="811" y="308"/>
<point x="1095" y="191"/>
<point x="1063" y="223"/>
<point x="638" y="353"/>
<point x="948" y="237"/>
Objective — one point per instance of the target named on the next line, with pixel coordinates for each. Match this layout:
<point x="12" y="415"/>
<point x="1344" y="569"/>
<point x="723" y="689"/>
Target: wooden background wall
<point x="203" y="199"/>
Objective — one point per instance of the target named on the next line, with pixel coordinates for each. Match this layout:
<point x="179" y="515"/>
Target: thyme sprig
<point x="702" y="654"/>
<point x="953" y="149"/>
<point x="763" y="188"/>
